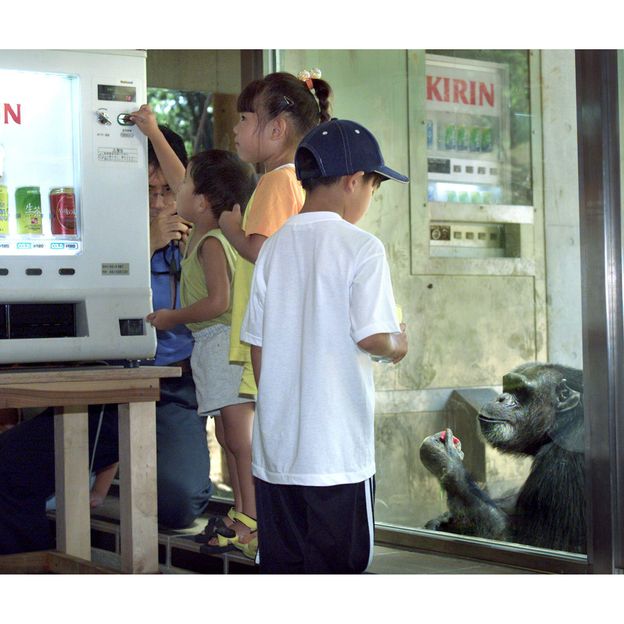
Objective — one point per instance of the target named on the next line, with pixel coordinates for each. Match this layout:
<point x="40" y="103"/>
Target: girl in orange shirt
<point x="275" y="113"/>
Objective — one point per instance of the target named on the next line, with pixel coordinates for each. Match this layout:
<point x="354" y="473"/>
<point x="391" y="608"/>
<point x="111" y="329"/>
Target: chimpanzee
<point x="540" y="414"/>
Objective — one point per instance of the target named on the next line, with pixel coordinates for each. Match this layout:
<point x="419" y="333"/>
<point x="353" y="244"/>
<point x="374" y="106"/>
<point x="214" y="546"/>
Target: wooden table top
<point x="89" y="385"/>
<point x="26" y="375"/>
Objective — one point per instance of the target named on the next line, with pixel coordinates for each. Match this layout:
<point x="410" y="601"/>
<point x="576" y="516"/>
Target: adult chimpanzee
<point x="540" y="414"/>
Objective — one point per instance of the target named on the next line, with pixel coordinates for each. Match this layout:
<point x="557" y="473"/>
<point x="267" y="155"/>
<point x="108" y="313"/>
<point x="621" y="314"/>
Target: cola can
<point x="63" y="211"/>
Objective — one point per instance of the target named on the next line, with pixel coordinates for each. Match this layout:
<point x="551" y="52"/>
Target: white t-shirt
<point x="320" y="285"/>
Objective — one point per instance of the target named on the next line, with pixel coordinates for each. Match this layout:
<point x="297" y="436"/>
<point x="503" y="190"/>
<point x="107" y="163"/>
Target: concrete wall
<point x="561" y="208"/>
<point x="214" y="71"/>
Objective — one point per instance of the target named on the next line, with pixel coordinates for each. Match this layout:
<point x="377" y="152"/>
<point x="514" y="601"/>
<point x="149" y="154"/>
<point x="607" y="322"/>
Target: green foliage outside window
<point x="189" y="113"/>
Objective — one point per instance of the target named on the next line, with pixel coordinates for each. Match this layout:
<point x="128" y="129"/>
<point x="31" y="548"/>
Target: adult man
<point x="183" y="463"/>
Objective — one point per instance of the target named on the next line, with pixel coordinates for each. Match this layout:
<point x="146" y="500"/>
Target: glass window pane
<point x="488" y="281"/>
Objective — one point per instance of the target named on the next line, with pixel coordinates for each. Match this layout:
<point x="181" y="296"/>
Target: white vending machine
<point x="74" y="218"/>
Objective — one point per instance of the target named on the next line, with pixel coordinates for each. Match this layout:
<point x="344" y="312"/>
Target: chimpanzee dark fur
<point x="540" y="414"/>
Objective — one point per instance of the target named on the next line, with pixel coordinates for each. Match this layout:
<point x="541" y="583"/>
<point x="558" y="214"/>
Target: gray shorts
<point x="216" y="380"/>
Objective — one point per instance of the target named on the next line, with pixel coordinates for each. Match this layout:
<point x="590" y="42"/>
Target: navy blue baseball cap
<point x="340" y="147"/>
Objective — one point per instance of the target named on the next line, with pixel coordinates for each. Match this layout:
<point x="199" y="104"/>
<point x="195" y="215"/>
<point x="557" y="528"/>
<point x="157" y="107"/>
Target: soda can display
<point x="63" y="211"/>
<point x="450" y="137"/>
<point x="429" y="134"/>
<point x="451" y="196"/>
<point x="486" y="139"/>
<point x="462" y="138"/>
<point x="28" y="210"/>
<point x="4" y="210"/>
<point x="440" y="135"/>
<point x="475" y="139"/>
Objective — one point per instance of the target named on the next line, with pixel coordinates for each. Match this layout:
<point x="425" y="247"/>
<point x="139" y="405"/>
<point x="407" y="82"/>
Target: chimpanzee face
<point x="520" y="419"/>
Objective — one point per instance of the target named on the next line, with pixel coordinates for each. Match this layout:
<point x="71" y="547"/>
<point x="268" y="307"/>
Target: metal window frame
<point x="601" y="285"/>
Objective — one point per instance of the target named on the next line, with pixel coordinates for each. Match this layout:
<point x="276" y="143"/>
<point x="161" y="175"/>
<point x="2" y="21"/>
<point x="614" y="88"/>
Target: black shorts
<point x="315" y="530"/>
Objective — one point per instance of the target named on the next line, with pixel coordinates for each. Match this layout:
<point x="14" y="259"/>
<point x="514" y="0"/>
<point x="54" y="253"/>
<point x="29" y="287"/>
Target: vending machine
<point x="74" y="218"/>
<point x="467" y="134"/>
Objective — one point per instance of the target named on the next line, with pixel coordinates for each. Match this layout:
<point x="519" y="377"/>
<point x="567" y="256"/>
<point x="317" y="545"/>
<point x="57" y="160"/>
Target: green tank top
<point x="192" y="282"/>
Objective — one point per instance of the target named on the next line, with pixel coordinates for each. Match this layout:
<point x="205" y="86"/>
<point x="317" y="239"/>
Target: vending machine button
<point x="34" y="272"/>
<point x="4" y="271"/>
<point x="67" y="271"/>
<point x="124" y="120"/>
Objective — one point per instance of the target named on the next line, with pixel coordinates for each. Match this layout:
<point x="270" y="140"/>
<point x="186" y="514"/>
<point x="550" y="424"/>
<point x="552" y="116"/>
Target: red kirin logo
<point x="458" y="91"/>
<point x="11" y="115"/>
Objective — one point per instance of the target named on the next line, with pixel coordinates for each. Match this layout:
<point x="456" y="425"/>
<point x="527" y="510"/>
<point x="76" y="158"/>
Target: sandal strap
<point x="248" y="521"/>
<point x="231" y="514"/>
<point x="222" y="540"/>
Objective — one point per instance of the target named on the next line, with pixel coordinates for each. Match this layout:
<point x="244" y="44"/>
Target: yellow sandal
<point x="250" y="548"/>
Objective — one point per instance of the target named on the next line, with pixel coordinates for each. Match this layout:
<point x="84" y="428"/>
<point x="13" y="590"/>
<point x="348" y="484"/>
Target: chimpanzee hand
<point x="441" y="454"/>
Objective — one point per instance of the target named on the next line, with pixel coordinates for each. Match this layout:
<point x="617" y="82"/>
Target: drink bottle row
<point x="29" y="213"/>
<point x="459" y="137"/>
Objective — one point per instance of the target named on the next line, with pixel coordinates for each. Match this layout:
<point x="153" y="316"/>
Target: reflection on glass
<point x="478" y="109"/>
<point x="478" y="149"/>
<point x="539" y="415"/>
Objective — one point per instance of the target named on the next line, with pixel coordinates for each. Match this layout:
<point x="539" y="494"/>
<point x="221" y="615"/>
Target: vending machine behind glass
<point x="467" y="134"/>
<point x="74" y="219"/>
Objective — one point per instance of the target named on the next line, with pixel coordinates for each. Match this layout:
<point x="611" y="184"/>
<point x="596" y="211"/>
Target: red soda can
<point x="63" y="211"/>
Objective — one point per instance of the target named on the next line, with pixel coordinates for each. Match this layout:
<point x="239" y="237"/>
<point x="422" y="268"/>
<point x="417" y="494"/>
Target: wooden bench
<point x="71" y="391"/>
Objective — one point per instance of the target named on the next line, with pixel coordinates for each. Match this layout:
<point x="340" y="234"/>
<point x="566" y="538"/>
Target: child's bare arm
<point x="170" y="164"/>
<point x="247" y="246"/>
<point x="390" y="346"/>
<point x="256" y="362"/>
<point x="214" y="264"/>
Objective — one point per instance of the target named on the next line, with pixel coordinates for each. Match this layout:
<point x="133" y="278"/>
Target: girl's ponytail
<point x="322" y="91"/>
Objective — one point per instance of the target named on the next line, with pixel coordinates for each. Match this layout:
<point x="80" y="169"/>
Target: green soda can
<point x="4" y="211"/>
<point x="450" y="137"/>
<point x="475" y="139"/>
<point x="486" y="139"/>
<point x="28" y="210"/>
<point x="462" y="138"/>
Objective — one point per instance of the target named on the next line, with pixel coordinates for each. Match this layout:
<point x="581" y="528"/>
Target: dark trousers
<point x="27" y="466"/>
<point x="315" y="530"/>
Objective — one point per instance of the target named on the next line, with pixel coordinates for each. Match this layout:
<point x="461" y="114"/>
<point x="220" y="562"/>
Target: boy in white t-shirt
<point x="321" y="305"/>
